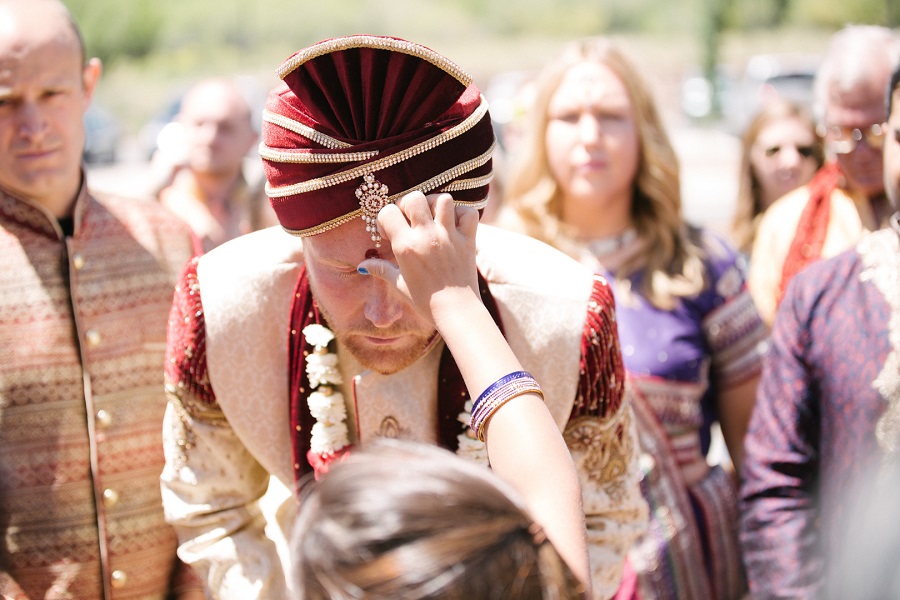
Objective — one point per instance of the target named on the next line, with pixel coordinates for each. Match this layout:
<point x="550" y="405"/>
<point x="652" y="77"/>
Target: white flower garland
<point x="470" y="446"/>
<point x="326" y="404"/>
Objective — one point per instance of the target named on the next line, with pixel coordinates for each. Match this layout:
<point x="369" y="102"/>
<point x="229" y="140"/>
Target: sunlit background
<point x="707" y="60"/>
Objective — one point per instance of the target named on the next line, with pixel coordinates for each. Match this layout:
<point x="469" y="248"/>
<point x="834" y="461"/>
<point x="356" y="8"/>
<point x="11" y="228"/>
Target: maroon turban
<point x="362" y="120"/>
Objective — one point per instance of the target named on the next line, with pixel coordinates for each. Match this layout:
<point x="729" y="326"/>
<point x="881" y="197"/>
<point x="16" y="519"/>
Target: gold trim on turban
<point x="426" y="186"/>
<point x="305" y="156"/>
<point x="381" y="163"/>
<point x="377" y="43"/>
<point x="304" y="130"/>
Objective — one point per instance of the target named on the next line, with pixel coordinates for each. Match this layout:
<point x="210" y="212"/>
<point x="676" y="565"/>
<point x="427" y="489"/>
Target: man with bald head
<point x="210" y="191"/>
<point x="85" y="288"/>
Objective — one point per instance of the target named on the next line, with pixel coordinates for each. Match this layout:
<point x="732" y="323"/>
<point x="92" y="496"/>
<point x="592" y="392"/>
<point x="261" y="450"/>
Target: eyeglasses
<point x="804" y="151"/>
<point x="843" y="140"/>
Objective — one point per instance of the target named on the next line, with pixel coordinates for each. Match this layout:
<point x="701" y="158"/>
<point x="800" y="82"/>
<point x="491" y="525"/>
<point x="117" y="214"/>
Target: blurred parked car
<point x="764" y="76"/>
<point x="697" y="93"/>
<point x="103" y="133"/>
<point x="152" y="133"/>
<point x="767" y="76"/>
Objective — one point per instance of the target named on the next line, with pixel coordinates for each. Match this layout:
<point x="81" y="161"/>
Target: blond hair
<point x="749" y="199"/>
<point x="407" y="520"/>
<point x="533" y="202"/>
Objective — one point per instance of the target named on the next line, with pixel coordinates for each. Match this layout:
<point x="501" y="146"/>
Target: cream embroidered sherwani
<point x="82" y="342"/>
<point x="227" y="427"/>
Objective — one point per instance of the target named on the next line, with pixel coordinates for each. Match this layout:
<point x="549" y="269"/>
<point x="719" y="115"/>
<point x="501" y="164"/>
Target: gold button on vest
<point x="104" y="418"/>
<point x="119" y="579"/>
<point x="110" y="497"/>
<point x="93" y="337"/>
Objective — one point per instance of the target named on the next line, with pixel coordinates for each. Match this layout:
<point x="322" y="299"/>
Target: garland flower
<point x="470" y="446"/>
<point x="326" y="403"/>
<point x="329" y="435"/>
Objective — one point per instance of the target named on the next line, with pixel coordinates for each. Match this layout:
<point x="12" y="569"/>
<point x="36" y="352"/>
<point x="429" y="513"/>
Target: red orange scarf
<point x="806" y="247"/>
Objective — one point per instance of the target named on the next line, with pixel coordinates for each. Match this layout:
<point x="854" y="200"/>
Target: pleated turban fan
<point x="362" y="120"/>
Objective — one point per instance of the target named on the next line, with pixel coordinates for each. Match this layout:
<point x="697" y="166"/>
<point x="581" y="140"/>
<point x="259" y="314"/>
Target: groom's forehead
<point x="349" y="243"/>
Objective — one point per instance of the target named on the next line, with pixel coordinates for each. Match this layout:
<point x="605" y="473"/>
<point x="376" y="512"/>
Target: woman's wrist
<point x="453" y="307"/>
<point x="476" y="342"/>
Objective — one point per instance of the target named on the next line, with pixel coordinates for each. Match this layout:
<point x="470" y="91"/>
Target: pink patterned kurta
<point x="82" y="340"/>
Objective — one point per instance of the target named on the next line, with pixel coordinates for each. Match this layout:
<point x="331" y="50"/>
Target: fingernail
<point x="362" y="270"/>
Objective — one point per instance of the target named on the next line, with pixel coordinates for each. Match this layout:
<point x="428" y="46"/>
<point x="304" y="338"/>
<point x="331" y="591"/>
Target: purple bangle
<point x="499" y="383"/>
<point x="497" y="394"/>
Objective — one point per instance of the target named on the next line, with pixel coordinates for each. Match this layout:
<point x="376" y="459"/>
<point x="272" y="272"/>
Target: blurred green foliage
<point x="133" y="32"/>
<point x="117" y="29"/>
<point x="152" y="47"/>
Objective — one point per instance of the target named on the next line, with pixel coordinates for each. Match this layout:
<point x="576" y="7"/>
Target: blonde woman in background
<point x="780" y="151"/>
<point x="598" y="179"/>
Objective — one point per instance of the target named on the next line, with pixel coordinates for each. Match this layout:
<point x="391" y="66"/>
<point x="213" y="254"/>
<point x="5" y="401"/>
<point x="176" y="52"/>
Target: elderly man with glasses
<point x="820" y="471"/>
<point x="846" y="197"/>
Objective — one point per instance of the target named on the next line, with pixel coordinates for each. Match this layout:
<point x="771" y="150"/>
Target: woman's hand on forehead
<point x="433" y="243"/>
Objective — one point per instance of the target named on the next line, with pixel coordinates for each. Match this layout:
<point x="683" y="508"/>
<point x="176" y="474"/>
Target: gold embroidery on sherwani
<point x="182" y="433"/>
<point x="608" y="448"/>
<point x="186" y="377"/>
<point x="188" y="409"/>
<point x="391" y="428"/>
<point x="249" y="278"/>
<point x="207" y="413"/>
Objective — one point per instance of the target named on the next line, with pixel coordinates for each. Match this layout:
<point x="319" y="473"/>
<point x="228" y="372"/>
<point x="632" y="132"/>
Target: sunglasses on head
<point x="806" y="151"/>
